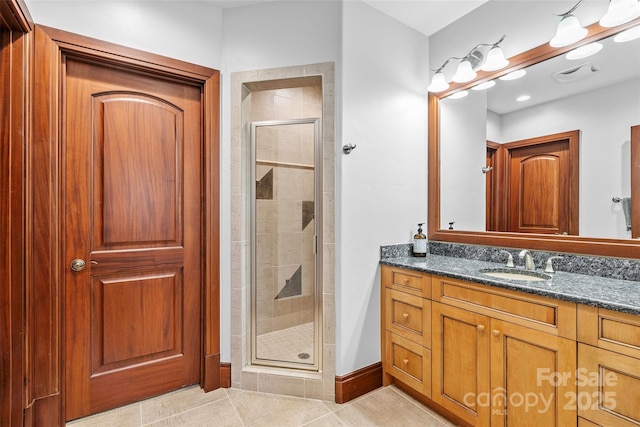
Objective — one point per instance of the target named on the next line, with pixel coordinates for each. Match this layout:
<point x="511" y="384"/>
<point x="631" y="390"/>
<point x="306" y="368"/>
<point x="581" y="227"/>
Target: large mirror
<point x="595" y="100"/>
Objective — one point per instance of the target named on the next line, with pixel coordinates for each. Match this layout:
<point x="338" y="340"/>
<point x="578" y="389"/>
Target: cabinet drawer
<point x="609" y="329"/>
<point x="533" y="311"/>
<point x="408" y="362"/>
<point x="409" y="281"/>
<point x="609" y="390"/>
<point x="408" y="316"/>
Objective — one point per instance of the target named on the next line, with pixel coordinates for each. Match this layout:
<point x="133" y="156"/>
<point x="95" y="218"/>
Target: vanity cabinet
<point x="609" y="361"/>
<point x="496" y="355"/>
<point x="489" y="356"/>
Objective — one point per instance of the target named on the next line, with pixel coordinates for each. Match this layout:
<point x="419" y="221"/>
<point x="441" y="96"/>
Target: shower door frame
<point x="317" y="249"/>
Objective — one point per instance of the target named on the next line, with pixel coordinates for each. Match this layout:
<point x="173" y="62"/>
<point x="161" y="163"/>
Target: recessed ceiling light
<point x="514" y="75"/>
<point x="584" y="51"/>
<point x="485" y="85"/>
<point x="523" y="98"/>
<point x="628" y="35"/>
<point x="459" y="95"/>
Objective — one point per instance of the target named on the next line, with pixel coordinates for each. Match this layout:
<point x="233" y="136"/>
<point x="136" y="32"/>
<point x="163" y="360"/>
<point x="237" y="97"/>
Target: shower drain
<point x="303" y="355"/>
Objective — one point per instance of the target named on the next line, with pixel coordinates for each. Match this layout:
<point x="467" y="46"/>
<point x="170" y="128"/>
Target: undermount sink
<point x="511" y="274"/>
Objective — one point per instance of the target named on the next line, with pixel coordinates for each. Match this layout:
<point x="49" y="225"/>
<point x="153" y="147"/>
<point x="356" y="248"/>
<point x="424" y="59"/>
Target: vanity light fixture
<point x="628" y="35"/>
<point x="620" y="12"/>
<point x="514" y="75"/>
<point x="584" y="51"/>
<point x="484" y="85"/>
<point x="569" y="29"/>
<point x="465" y="72"/>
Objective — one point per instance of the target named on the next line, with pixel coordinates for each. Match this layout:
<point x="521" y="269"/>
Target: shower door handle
<point x="315" y="244"/>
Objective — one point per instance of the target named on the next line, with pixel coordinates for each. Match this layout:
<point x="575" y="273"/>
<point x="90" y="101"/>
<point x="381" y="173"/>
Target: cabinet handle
<point x="406" y="281"/>
<point x="496" y="333"/>
<point x="480" y="328"/>
<point x="405" y="361"/>
<point x="405" y="315"/>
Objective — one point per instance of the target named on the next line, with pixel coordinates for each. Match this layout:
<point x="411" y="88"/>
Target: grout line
<point x="417" y="404"/>
<point x="330" y="415"/>
<point x="235" y="411"/>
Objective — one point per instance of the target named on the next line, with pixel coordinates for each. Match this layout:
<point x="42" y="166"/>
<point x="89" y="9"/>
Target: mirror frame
<point x="624" y="248"/>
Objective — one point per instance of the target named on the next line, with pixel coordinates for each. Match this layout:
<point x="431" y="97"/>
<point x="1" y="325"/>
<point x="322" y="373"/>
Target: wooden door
<point x="543" y="185"/>
<point x="496" y="179"/>
<point x="533" y="379"/>
<point x="132" y="179"/>
<point x="460" y="363"/>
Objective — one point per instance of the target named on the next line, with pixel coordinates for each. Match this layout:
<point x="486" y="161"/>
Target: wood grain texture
<point x="543" y="184"/>
<point x="14" y="84"/>
<point x="616" y="379"/>
<point x="132" y="176"/>
<point x="358" y="383"/>
<point x="43" y="243"/>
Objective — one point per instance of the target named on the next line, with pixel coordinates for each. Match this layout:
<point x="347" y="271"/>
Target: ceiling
<point x="425" y="16"/>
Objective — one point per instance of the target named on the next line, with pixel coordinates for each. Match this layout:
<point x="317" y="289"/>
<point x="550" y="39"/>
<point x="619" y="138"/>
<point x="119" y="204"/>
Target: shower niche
<point x="286" y="224"/>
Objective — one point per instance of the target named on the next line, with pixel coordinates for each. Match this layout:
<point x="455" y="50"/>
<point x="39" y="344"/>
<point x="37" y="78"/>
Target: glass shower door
<point x="285" y="293"/>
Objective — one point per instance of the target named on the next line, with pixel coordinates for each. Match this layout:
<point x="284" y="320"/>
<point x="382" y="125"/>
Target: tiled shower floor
<point x="288" y="344"/>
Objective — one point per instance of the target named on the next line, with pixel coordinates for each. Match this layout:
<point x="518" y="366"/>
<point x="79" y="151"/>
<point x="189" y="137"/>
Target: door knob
<point x="77" y="264"/>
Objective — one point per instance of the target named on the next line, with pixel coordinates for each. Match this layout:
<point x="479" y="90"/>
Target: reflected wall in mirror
<point x="598" y="96"/>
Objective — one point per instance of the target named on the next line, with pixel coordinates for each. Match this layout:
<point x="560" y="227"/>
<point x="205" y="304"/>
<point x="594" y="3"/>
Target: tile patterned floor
<point x="286" y="344"/>
<point x="386" y="406"/>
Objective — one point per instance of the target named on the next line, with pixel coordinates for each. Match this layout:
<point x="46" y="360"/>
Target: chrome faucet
<point x="528" y="260"/>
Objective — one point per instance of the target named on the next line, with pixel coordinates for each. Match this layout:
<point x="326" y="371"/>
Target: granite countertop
<point x="612" y="294"/>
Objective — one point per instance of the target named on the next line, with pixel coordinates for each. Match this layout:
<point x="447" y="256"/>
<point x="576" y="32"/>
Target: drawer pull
<point x="406" y="281"/>
<point x="405" y="361"/>
<point x="496" y="333"/>
<point x="405" y="315"/>
<point x="480" y="328"/>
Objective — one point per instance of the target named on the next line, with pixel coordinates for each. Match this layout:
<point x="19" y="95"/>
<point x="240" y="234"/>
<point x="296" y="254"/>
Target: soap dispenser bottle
<point x="420" y="242"/>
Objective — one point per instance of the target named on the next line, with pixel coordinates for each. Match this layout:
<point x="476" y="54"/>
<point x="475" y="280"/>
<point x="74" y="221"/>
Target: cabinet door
<point x="608" y="387"/>
<point x="460" y="363"/>
<point x="533" y="379"/>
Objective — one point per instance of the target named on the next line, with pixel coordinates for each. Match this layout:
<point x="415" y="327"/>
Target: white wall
<point x="463" y="151"/>
<point x="187" y="30"/>
<point x="382" y="184"/>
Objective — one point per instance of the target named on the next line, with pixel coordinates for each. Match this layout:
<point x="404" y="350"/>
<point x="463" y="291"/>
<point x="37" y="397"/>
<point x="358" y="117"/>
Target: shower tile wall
<point x="285" y="274"/>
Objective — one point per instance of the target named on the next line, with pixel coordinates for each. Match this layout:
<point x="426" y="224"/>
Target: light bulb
<point x="569" y="31"/>
<point x="464" y="73"/>
<point x="514" y="75"/>
<point x="584" y="51"/>
<point x="495" y="60"/>
<point x="620" y="12"/>
<point x="438" y="83"/>
<point x="628" y="35"/>
<point x="485" y="85"/>
<point x="459" y="95"/>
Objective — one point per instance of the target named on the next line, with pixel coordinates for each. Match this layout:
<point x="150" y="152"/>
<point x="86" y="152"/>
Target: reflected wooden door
<point x="543" y="184"/>
<point x="132" y="172"/>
